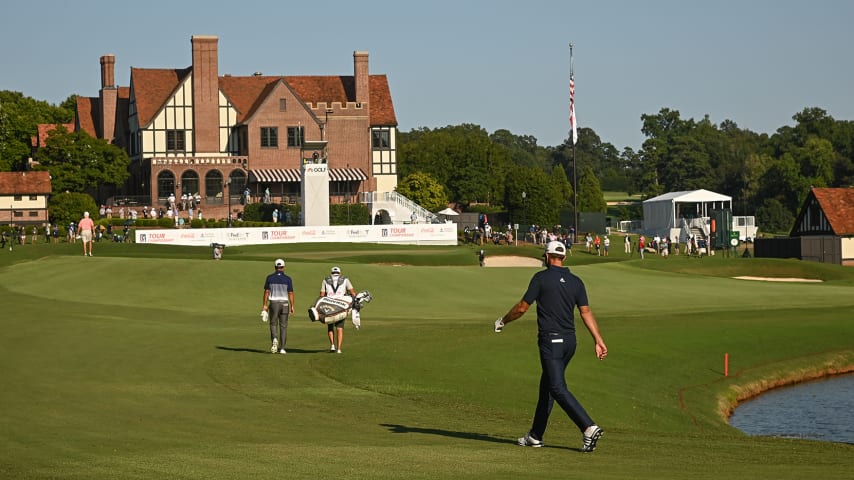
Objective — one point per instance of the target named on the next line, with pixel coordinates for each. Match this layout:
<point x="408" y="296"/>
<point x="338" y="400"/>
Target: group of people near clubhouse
<point x="278" y="305"/>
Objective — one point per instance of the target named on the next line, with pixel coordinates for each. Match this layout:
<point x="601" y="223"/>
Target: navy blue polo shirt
<point x="279" y="285"/>
<point x="557" y="293"/>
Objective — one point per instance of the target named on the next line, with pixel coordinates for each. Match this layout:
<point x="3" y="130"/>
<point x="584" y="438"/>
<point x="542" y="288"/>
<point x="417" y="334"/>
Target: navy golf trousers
<point x="556" y="350"/>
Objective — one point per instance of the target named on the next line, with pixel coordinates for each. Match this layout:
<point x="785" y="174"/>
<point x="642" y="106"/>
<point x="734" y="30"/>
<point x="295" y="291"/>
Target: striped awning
<point x="347" y="175"/>
<point x="292" y="175"/>
<point x="275" y="175"/>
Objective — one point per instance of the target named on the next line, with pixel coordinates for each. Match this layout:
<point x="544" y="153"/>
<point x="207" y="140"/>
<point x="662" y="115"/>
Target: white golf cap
<point x="336" y="270"/>
<point x="279" y="262"/>
<point x="556" y="248"/>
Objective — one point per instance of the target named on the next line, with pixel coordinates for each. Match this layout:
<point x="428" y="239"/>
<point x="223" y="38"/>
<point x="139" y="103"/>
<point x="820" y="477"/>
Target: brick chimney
<point x="109" y="98"/>
<point x="205" y="94"/>
<point x="360" y="72"/>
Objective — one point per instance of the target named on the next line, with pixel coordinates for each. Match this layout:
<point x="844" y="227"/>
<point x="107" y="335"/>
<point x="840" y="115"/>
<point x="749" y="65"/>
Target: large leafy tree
<point x="78" y="162"/>
<point x="590" y="197"/>
<point x="19" y="119"/>
<point x="532" y="197"/>
<point x="462" y="158"/>
<point x="67" y="207"/>
<point x="424" y="190"/>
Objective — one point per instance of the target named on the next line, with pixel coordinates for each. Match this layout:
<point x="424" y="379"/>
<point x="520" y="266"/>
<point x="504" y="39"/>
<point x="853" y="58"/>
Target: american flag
<point x="572" y="122"/>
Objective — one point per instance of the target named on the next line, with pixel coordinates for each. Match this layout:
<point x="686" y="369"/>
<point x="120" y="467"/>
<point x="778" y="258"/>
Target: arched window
<point x="165" y="184"/>
<point x="190" y="182"/>
<point x="236" y="184"/>
<point x="213" y="186"/>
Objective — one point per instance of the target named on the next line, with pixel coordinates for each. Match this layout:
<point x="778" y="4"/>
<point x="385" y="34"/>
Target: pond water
<point x="819" y="410"/>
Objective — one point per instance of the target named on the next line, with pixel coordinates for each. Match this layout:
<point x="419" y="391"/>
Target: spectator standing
<point x="86" y="229"/>
<point x="557" y="293"/>
<point x="627" y="244"/>
<point x="279" y="304"/>
<point x="607" y="244"/>
<point x="641" y="245"/>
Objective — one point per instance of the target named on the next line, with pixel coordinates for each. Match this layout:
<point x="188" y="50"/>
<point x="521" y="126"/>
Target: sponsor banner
<point x="426" y="234"/>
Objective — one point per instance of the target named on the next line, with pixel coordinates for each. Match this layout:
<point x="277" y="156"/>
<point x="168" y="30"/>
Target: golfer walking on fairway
<point x="279" y="303"/>
<point x="557" y="293"/>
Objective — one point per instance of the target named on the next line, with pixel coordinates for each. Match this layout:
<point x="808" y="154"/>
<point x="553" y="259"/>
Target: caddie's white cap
<point x="336" y="270"/>
<point x="556" y="248"/>
<point x="279" y="262"/>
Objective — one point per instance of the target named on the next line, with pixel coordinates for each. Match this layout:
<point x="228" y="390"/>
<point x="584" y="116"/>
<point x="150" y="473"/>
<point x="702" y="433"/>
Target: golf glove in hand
<point x="499" y="324"/>
<point x="265" y="317"/>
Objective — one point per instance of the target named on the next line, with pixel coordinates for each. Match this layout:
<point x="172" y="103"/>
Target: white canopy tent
<point x="663" y="214"/>
<point x="448" y="211"/>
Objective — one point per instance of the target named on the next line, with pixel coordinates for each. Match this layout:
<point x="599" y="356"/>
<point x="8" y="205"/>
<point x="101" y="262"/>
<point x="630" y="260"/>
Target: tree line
<point x="767" y="176"/>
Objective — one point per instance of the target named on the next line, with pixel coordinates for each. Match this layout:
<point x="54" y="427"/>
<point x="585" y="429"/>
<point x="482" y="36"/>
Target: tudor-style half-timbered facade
<point x="191" y="131"/>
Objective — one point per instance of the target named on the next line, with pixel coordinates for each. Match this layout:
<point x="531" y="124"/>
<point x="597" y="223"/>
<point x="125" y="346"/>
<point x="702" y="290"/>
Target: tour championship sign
<point x="414" y="234"/>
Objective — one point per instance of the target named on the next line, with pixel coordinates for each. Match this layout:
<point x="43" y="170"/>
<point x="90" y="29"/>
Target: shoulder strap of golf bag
<point x="342" y="280"/>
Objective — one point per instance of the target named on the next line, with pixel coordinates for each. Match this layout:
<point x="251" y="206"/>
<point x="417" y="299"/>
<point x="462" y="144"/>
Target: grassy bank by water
<point x="152" y="362"/>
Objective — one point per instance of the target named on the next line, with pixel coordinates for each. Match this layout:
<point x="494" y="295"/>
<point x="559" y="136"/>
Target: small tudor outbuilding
<point x="823" y="231"/>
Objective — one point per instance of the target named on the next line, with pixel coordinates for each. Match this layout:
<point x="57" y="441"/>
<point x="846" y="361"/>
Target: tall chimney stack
<point x="108" y="97"/>
<point x="360" y="72"/>
<point x="205" y="94"/>
<point x="108" y="71"/>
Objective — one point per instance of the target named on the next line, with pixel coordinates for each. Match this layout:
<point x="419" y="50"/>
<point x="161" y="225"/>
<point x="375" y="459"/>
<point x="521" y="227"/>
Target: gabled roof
<point x="838" y="207"/>
<point x="247" y="93"/>
<point x="152" y="87"/>
<point x="88" y="115"/>
<point x="690" y="196"/>
<point x="24" y="183"/>
<point x="382" y="107"/>
<point x="44" y="130"/>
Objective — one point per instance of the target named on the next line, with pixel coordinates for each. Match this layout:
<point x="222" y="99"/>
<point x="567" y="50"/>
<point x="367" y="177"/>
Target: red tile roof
<point x="44" y="130"/>
<point x="24" y="183"/>
<point x="382" y="107"/>
<point x="152" y="87"/>
<point x="88" y="115"/>
<point x="838" y="206"/>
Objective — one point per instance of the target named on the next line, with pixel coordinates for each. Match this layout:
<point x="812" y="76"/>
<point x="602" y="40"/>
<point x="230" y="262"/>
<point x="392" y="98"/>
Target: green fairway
<point x="152" y="362"/>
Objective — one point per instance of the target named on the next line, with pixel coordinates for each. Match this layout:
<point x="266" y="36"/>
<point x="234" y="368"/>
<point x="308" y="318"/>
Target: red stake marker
<point x="726" y="364"/>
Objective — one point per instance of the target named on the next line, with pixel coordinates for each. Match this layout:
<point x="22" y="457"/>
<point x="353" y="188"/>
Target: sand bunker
<point x="779" y="279"/>
<point x="511" y="261"/>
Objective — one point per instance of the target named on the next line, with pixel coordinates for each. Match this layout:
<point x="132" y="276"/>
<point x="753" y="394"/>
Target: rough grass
<point x="151" y="362"/>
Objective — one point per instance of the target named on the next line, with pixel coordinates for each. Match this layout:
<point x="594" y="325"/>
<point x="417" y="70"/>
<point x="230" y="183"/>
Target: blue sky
<point x="498" y="64"/>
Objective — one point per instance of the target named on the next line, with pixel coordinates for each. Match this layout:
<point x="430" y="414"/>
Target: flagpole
<point x="572" y="133"/>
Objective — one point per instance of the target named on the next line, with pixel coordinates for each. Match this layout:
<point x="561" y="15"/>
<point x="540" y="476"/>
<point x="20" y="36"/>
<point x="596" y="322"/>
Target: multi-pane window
<point x="269" y="136"/>
<point x="381" y="139"/>
<point x="296" y="136"/>
<point x="34" y="197"/>
<point x="175" y="140"/>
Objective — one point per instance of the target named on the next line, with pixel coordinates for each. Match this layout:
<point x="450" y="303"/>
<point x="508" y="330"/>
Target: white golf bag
<point x="329" y="310"/>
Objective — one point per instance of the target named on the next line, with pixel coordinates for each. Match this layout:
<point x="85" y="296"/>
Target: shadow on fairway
<point x="266" y="351"/>
<point x="447" y="433"/>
